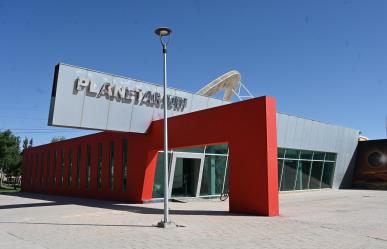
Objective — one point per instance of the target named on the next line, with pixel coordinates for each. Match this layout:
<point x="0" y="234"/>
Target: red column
<point x="82" y="186"/>
<point x="253" y="180"/>
<point x="117" y="166"/>
<point x="94" y="145"/>
<point x="249" y="127"/>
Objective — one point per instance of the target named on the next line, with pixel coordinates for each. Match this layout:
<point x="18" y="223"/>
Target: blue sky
<point x="324" y="60"/>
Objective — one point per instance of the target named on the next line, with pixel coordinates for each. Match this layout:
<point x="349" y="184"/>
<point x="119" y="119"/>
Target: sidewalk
<point x="316" y="219"/>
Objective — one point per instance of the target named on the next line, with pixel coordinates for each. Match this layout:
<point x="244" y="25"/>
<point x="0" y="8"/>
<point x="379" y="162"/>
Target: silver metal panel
<point x="198" y="103"/>
<point x="312" y="142"/>
<point x="306" y="134"/>
<point x="120" y="111"/>
<point x="95" y="109"/>
<point x="297" y="138"/>
<point x="335" y="133"/>
<point x="299" y="133"/>
<point x="286" y="118"/>
<point x="290" y="130"/>
<point x="71" y="113"/>
<point x="188" y="96"/>
<point x="281" y="126"/>
<point x="158" y="113"/>
<point x="87" y="99"/>
<point x="318" y="133"/>
<point x="224" y="102"/>
<point x="142" y="114"/>
<point x="325" y="143"/>
<point x="214" y="102"/>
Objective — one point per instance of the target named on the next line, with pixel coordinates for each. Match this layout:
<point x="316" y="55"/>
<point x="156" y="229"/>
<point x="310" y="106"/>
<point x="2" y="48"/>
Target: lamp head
<point x="163" y="31"/>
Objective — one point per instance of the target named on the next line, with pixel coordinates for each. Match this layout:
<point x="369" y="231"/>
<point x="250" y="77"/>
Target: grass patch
<point x="9" y="189"/>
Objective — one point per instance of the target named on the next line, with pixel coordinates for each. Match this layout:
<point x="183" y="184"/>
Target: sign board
<point x="87" y="99"/>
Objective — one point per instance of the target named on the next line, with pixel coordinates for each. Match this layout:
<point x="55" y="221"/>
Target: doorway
<point x="185" y="174"/>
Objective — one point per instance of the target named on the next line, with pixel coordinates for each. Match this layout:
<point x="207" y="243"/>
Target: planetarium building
<point x="245" y="147"/>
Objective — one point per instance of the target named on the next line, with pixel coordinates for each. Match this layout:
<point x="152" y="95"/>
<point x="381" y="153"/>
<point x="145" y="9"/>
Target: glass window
<point x="41" y="168"/>
<point x="327" y="175"/>
<point x="318" y="155"/>
<point x="330" y="157"/>
<point x="280" y="168"/>
<point x="289" y="153"/>
<point x="99" y="168"/>
<point x="124" y="163"/>
<point x="306" y="154"/>
<point x="281" y="152"/>
<point x="26" y="165"/>
<point x="48" y="167"/>
<point x="88" y="165"/>
<point x="225" y="184"/>
<point x="213" y="175"/>
<point x="217" y="149"/>
<point x="158" y="186"/>
<point x="191" y="149"/>
<point x="289" y="175"/>
<point x="79" y="166"/>
<point x="61" y="167"/>
<point x="302" y="178"/>
<point x="54" y="170"/>
<point x="31" y="167"/>
<point x="185" y="177"/>
<point x="310" y="173"/>
<point x="36" y="168"/>
<point x="70" y="175"/>
<point x="315" y="175"/>
<point x="111" y="167"/>
<point x="32" y="161"/>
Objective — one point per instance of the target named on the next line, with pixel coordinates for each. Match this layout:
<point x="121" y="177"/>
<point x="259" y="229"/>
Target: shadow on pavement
<point x="53" y="200"/>
<point x="70" y="224"/>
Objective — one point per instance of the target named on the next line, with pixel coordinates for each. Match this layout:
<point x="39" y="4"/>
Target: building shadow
<point x="71" y="224"/>
<point x="56" y="200"/>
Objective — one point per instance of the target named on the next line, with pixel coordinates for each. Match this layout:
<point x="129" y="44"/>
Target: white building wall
<point x="299" y="133"/>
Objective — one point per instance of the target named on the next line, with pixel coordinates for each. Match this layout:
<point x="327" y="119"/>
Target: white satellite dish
<point x="230" y="82"/>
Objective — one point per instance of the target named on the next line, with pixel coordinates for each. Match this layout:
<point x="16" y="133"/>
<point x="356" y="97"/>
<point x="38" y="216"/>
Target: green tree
<point x="10" y="157"/>
<point x="57" y="139"/>
<point x="25" y="143"/>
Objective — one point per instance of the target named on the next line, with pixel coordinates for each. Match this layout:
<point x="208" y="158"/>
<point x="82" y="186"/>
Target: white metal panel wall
<point x="299" y="133"/>
<point x="84" y="109"/>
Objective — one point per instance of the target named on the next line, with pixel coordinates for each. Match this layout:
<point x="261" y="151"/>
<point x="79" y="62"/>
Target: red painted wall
<point x="248" y="127"/>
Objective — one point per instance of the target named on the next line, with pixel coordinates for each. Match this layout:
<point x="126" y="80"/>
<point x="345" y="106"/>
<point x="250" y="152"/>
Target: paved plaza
<point x="314" y="219"/>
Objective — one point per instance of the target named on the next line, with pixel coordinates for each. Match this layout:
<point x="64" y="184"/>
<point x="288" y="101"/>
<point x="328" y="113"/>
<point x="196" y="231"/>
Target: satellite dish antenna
<point x="231" y="83"/>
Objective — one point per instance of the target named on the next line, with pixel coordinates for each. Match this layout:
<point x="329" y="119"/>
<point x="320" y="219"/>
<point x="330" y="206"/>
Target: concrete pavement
<point x="311" y="219"/>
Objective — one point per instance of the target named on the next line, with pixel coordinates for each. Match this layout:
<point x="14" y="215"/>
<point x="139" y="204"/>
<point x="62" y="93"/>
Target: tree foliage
<point x="10" y="157"/>
<point x="25" y="143"/>
<point x="57" y="139"/>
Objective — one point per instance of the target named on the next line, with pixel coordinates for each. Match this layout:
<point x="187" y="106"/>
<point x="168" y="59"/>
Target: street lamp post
<point x="164" y="35"/>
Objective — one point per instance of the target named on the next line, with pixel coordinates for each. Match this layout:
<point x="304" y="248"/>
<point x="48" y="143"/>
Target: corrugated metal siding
<point x="299" y="133"/>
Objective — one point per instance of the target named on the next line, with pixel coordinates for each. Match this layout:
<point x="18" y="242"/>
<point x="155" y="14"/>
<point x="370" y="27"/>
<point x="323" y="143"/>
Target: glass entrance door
<point x="186" y="174"/>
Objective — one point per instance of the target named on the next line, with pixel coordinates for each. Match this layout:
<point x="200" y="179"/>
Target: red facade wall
<point x="248" y="127"/>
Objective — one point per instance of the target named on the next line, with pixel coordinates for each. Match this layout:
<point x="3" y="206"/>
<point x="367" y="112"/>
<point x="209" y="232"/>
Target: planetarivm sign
<point x="88" y="99"/>
<point x="124" y="94"/>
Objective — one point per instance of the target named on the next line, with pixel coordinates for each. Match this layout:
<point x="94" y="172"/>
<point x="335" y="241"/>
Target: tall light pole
<point x="164" y="35"/>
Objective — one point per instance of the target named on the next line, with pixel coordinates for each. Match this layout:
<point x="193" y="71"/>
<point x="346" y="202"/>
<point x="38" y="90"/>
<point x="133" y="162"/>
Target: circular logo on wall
<point x="376" y="159"/>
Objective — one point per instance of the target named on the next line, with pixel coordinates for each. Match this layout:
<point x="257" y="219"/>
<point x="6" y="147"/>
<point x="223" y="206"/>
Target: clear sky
<point x="323" y="60"/>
